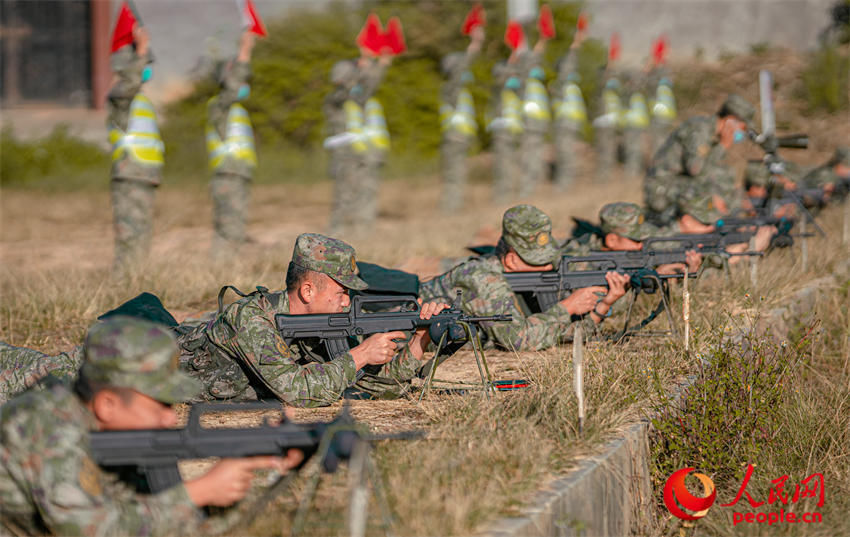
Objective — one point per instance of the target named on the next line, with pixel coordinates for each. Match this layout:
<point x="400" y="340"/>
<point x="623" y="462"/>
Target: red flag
<point x="514" y="35"/>
<point x="476" y="17"/>
<point x="250" y="19"/>
<point x="581" y="24"/>
<point x="123" y="32"/>
<point x="546" y="23"/>
<point x="394" y="37"/>
<point x="659" y="50"/>
<point x="614" y="48"/>
<point x="371" y="36"/>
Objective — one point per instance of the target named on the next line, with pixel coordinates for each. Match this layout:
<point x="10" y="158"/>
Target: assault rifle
<point x="450" y="329"/>
<point x="704" y="243"/>
<point x="549" y="287"/>
<point x="149" y="456"/>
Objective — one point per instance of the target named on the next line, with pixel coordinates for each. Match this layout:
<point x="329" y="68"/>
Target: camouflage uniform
<point x="338" y="144"/>
<point x="458" y="127"/>
<point x="606" y="128"/>
<point x="243" y="338"/>
<point x="635" y="126"/>
<point x="663" y="107"/>
<point x="505" y="129"/>
<point x="570" y="119"/>
<point x="485" y="291"/>
<point x="232" y="170"/>
<point x="826" y="174"/>
<point x="48" y="480"/>
<point x="22" y="368"/>
<point x="134" y="179"/>
<point x="537" y="116"/>
<point x="691" y="157"/>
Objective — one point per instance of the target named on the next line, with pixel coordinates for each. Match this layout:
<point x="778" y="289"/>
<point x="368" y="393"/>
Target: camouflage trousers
<point x="453" y="151"/>
<point x="132" y="217"/>
<point x="22" y="368"/>
<point x="606" y="151"/>
<point x="230" y="194"/>
<point x="660" y="192"/>
<point x="566" y="144"/>
<point x="659" y="131"/>
<point x="633" y="147"/>
<point x="533" y="165"/>
<point x="351" y="170"/>
<point x="504" y="165"/>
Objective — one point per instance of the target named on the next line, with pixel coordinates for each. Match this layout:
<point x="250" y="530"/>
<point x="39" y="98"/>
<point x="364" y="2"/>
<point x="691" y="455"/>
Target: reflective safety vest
<point x="238" y="143"/>
<point x="376" y="126"/>
<point x="511" y="113"/>
<point x="141" y="142"/>
<point x="571" y="108"/>
<point x="354" y="127"/>
<point x="461" y="117"/>
<point x="536" y="103"/>
<point x="664" y="107"/>
<point x="637" y="116"/>
<point x="613" y="115"/>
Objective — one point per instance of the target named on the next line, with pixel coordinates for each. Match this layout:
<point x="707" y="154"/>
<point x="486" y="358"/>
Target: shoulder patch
<point x="703" y="150"/>
<point x="89" y="478"/>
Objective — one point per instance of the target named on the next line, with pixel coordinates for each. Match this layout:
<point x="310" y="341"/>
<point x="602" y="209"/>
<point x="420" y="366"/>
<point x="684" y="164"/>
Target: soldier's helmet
<point x="451" y="62"/>
<point x="332" y="257"/>
<point x="737" y="106"/>
<point x="344" y="73"/>
<point x="127" y="352"/>
<point x="528" y="230"/>
<point x="627" y="220"/>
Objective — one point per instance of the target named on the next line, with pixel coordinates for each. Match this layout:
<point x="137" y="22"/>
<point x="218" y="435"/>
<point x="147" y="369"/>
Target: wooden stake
<point x="686" y="312"/>
<point x="578" y="373"/>
<point x="754" y="267"/>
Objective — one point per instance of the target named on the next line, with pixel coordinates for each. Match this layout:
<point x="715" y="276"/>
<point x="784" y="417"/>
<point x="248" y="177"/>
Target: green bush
<point x="58" y="159"/>
<point x="826" y="78"/>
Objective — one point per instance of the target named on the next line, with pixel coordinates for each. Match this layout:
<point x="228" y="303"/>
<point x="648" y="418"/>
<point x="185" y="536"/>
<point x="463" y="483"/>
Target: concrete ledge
<point x="611" y="493"/>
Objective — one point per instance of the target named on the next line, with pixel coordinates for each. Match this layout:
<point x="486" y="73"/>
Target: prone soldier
<point x="241" y="355"/>
<point x="694" y="154"/>
<point x="526" y="245"/>
<point x="129" y="379"/>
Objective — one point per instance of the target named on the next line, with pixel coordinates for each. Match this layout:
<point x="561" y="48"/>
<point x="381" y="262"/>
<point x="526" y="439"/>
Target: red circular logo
<point x="675" y="494"/>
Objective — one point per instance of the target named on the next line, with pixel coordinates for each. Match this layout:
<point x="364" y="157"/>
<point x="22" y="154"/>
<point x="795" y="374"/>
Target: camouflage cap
<point x="528" y="231"/>
<point x="328" y="256"/>
<point x="739" y="107"/>
<point x="756" y="173"/>
<point x="128" y="352"/>
<point x="699" y="203"/>
<point x="626" y="219"/>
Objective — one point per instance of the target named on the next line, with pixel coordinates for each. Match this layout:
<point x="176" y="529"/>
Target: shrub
<point x="826" y="78"/>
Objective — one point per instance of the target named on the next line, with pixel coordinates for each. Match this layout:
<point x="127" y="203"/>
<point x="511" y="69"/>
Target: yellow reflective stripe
<point x="637" y="116"/>
<point x="572" y="107"/>
<point x="536" y="103"/>
<point x="376" y="125"/>
<point x="354" y="125"/>
<point x="511" y="111"/>
<point x="460" y="118"/>
<point x="238" y="143"/>
<point x="141" y="142"/>
<point x="665" y="103"/>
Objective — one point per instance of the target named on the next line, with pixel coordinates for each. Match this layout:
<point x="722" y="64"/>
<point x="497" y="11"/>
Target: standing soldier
<point x="230" y="145"/>
<point x="506" y="125"/>
<point x="137" y="149"/>
<point x="457" y="119"/>
<point x="635" y="125"/>
<point x="570" y="111"/>
<point x="608" y="124"/>
<point x="345" y="138"/>
<point x="664" y="104"/>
